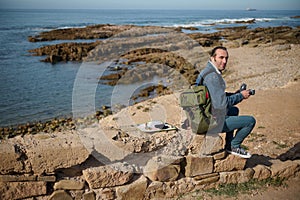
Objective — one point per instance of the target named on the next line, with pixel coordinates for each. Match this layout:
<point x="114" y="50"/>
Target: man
<point x="223" y="108"/>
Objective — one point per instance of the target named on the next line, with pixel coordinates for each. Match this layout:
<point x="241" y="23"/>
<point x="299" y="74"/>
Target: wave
<point x="40" y="28"/>
<point x="214" y="22"/>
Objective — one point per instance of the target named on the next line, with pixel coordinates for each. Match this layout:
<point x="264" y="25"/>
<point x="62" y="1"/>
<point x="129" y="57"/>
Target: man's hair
<point x="213" y="52"/>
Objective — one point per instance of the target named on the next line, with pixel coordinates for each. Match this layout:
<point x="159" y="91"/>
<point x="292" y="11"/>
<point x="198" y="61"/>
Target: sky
<point x="153" y="4"/>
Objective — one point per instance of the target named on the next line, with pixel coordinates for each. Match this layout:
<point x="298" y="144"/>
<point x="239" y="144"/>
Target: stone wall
<point x="58" y="166"/>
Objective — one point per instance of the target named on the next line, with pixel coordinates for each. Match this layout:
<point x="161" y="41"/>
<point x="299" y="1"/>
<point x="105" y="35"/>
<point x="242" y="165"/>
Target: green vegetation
<point x="261" y="127"/>
<point x="232" y="190"/>
<point x="244" y="147"/>
<point x="146" y="109"/>
<point x="139" y="107"/>
<point x="256" y="136"/>
<point x="280" y="145"/>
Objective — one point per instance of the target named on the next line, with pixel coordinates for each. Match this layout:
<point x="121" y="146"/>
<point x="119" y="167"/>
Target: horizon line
<point x="187" y="9"/>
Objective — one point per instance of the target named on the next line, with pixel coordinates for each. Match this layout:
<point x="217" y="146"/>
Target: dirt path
<point x="277" y="112"/>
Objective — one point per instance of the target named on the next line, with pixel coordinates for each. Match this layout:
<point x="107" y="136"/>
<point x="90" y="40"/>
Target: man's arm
<point x="234" y="99"/>
<point x="216" y="87"/>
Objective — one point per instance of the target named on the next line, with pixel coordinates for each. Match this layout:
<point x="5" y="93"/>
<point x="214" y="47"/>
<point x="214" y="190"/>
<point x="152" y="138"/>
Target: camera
<point x="244" y="87"/>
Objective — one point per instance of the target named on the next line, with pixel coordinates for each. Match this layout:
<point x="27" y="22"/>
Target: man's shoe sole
<point x="240" y="155"/>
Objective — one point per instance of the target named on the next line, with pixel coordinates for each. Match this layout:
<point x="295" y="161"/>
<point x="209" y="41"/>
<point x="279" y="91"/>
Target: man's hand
<point x="246" y="94"/>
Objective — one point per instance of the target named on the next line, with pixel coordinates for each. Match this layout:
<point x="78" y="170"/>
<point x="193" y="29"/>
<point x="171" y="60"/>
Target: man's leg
<point x="244" y="126"/>
<point x="233" y="111"/>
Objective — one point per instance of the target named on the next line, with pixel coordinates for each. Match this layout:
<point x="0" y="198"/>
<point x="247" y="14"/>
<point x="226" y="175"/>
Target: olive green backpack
<point x="196" y="103"/>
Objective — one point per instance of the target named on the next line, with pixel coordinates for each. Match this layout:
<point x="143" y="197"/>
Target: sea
<point x="32" y="91"/>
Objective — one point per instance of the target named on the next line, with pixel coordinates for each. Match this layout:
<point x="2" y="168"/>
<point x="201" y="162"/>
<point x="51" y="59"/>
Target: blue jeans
<point x="243" y="125"/>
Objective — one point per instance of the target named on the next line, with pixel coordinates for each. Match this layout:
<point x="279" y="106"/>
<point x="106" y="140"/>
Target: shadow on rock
<point x="258" y="160"/>
<point x="76" y="170"/>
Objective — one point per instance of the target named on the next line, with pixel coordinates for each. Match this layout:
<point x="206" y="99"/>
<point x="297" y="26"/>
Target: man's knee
<point x="252" y="120"/>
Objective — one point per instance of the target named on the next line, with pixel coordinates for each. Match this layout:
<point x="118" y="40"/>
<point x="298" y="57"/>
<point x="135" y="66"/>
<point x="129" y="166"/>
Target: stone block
<point x="17" y="178"/>
<point x="230" y="163"/>
<point x="205" y="144"/>
<point x="235" y="177"/>
<point x="10" y="158"/>
<point x="220" y="155"/>
<point x="198" y="165"/>
<point x="21" y="190"/>
<point x="60" y="195"/>
<point x="47" y="155"/>
<point x="196" y="143"/>
<point x="69" y="185"/>
<point x="208" y="180"/>
<point x="46" y="178"/>
<point x="133" y="191"/>
<point x="105" y="194"/>
<point x="169" y="190"/>
<point x="261" y="172"/>
<point x="89" y="196"/>
<point x="177" y="188"/>
<point x="205" y="176"/>
<point x="162" y="169"/>
<point x="106" y="176"/>
<point x="155" y="191"/>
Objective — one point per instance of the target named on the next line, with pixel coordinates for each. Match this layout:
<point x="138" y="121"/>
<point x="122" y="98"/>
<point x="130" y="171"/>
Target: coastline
<point x="270" y="66"/>
<point x="276" y="56"/>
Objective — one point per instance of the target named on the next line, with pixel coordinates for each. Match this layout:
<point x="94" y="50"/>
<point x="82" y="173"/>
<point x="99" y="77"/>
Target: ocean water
<point x="31" y="90"/>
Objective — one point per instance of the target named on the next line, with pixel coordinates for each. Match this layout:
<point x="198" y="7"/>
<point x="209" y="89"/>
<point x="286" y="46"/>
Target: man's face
<point x="220" y="59"/>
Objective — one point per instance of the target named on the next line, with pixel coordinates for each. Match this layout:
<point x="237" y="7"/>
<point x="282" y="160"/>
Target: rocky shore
<point x="50" y="126"/>
<point x="231" y="37"/>
<point x="106" y="157"/>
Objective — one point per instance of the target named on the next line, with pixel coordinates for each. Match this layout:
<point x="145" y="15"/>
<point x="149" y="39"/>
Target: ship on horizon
<point x="250" y="9"/>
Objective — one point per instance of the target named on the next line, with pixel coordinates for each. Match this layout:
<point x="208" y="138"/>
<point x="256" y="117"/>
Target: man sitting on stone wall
<point x="223" y="108"/>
